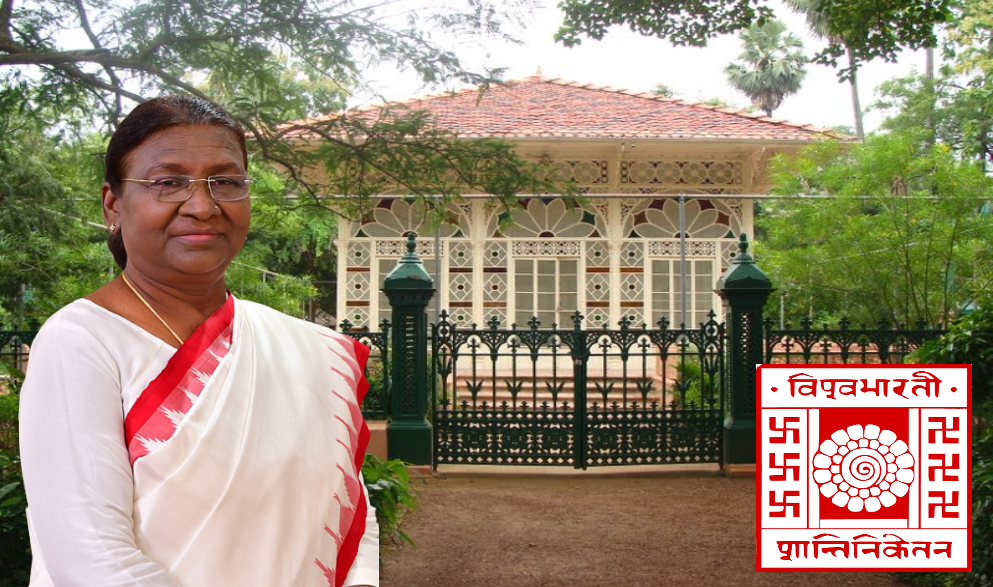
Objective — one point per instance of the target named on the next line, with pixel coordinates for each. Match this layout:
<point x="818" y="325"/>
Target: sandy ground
<point x="691" y="528"/>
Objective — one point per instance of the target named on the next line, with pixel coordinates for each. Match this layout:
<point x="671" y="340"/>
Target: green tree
<point x="266" y="62"/>
<point x="877" y="28"/>
<point x="901" y="236"/>
<point x="816" y="12"/>
<point x="771" y="67"/>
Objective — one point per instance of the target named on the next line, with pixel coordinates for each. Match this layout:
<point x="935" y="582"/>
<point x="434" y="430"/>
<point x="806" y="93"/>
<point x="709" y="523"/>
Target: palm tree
<point x="818" y="23"/>
<point x="772" y="65"/>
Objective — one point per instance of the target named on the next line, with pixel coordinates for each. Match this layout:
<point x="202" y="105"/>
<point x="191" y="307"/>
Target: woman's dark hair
<point x="144" y="121"/>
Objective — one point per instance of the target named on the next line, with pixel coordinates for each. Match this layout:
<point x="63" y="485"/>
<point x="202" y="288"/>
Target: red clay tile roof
<point x="542" y="107"/>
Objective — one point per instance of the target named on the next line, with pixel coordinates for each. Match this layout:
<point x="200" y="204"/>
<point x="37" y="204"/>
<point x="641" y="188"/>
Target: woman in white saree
<point x="172" y="435"/>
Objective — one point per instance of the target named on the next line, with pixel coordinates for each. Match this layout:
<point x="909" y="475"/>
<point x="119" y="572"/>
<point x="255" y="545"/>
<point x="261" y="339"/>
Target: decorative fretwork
<point x="357" y="254"/>
<point x="396" y="248"/>
<point x="495" y="254"/>
<point x="399" y="217"/>
<point x="551" y="218"/>
<point x="357" y="285"/>
<point x="659" y="218"/>
<point x="722" y="173"/>
<point x="632" y="254"/>
<point x="578" y="171"/>
<point x="460" y="287"/>
<point x="671" y="248"/>
<point x="357" y="316"/>
<point x="545" y="248"/>
<point x="597" y="287"/>
<point x="459" y="254"/>
<point x="531" y="395"/>
<point x="597" y="254"/>
<point x="633" y="286"/>
<point x="495" y="287"/>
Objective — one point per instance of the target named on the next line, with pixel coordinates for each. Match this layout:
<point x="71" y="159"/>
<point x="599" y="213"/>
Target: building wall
<point x="619" y="260"/>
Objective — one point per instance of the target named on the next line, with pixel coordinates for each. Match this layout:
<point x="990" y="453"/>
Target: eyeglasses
<point x="177" y="188"/>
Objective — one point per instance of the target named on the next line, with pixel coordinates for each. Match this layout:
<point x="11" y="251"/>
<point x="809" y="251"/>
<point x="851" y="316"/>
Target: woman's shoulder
<point x="74" y="315"/>
<point x="285" y="320"/>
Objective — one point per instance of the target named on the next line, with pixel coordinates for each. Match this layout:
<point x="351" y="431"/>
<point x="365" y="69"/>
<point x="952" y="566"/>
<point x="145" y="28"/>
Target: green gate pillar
<point x="409" y="289"/>
<point x="745" y="288"/>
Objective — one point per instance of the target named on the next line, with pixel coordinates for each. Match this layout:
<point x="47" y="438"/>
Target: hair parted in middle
<point x="144" y="121"/>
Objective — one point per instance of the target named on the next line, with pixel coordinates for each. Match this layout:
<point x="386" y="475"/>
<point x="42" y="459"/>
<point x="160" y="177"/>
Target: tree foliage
<point x="902" y="236"/>
<point x="873" y="29"/>
<point x="267" y="62"/>
<point x="771" y="66"/>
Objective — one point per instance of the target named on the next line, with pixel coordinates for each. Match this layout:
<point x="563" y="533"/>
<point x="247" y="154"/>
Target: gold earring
<point x="113" y="227"/>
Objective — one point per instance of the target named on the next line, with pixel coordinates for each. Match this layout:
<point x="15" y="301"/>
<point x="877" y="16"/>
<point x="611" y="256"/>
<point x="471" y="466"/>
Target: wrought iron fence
<point x="572" y="396"/>
<point x="376" y="405"/>
<point x="885" y="343"/>
<point x="14" y="350"/>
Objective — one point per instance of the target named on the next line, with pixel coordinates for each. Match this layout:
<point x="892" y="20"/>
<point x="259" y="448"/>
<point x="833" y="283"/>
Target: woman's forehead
<point x="184" y="146"/>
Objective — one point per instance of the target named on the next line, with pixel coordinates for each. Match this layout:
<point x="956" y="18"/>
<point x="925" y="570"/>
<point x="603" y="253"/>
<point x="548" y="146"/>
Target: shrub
<point x="970" y="341"/>
<point x="15" y="546"/>
<point x="388" y="483"/>
<point x="8" y="422"/>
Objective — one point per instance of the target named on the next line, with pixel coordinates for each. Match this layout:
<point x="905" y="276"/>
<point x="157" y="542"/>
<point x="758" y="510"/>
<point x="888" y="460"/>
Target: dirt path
<point x="672" y="530"/>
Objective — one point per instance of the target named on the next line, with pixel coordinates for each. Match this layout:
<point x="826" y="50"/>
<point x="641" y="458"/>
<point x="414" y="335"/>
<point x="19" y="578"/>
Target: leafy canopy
<point x="902" y="237"/>
<point x="76" y="64"/>
<point x="872" y="28"/>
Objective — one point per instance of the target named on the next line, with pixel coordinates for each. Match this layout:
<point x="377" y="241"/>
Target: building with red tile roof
<point x="670" y="187"/>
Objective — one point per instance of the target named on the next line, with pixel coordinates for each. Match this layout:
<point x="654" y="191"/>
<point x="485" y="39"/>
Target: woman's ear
<point x="111" y="206"/>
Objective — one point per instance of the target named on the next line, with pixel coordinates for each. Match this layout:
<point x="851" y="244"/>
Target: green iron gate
<point x="577" y="397"/>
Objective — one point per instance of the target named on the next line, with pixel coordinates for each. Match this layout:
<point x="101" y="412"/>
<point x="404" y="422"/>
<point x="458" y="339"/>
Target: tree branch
<point x="95" y="41"/>
<point x="6" y="10"/>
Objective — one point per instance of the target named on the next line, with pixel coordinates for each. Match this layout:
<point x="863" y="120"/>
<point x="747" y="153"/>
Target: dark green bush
<point x="970" y="341"/>
<point x="15" y="546"/>
<point x="8" y="422"/>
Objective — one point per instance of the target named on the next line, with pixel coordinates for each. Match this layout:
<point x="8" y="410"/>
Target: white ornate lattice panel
<point x="659" y="218"/>
<point x="398" y="248"/>
<point x="632" y="254"/>
<point x="597" y="287"/>
<point x="579" y="171"/>
<point x="357" y="254"/>
<point x="632" y="286"/>
<point x="635" y="316"/>
<point x="671" y="248"/>
<point x="357" y="285"/>
<point x="495" y="254"/>
<point x="545" y="248"/>
<point x="460" y="287"/>
<point x="359" y="317"/>
<point x="459" y="254"/>
<point x="597" y="254"/>
<point x="597" y="317"/>
<point x="681" y="172"/>
<point x="551" y="218"/>
<point x="495" y="287"/>
<point x="398" y="217"/>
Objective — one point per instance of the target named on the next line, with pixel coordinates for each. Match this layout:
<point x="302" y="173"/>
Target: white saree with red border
<point x="247" y="450"/>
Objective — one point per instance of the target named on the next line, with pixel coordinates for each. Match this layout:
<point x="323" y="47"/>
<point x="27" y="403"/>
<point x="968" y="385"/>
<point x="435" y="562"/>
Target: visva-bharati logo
<point x="863" y="468"/>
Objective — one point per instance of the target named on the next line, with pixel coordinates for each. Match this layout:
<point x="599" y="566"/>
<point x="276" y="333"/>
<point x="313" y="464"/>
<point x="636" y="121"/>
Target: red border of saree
<point x="155" y="414"/>
<point x="350" y="546"/>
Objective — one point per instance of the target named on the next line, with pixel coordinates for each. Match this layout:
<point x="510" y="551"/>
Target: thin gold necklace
<point x="147" y="305"/>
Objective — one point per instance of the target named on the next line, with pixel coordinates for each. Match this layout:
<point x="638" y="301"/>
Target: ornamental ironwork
<point x="577" y="396"/>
